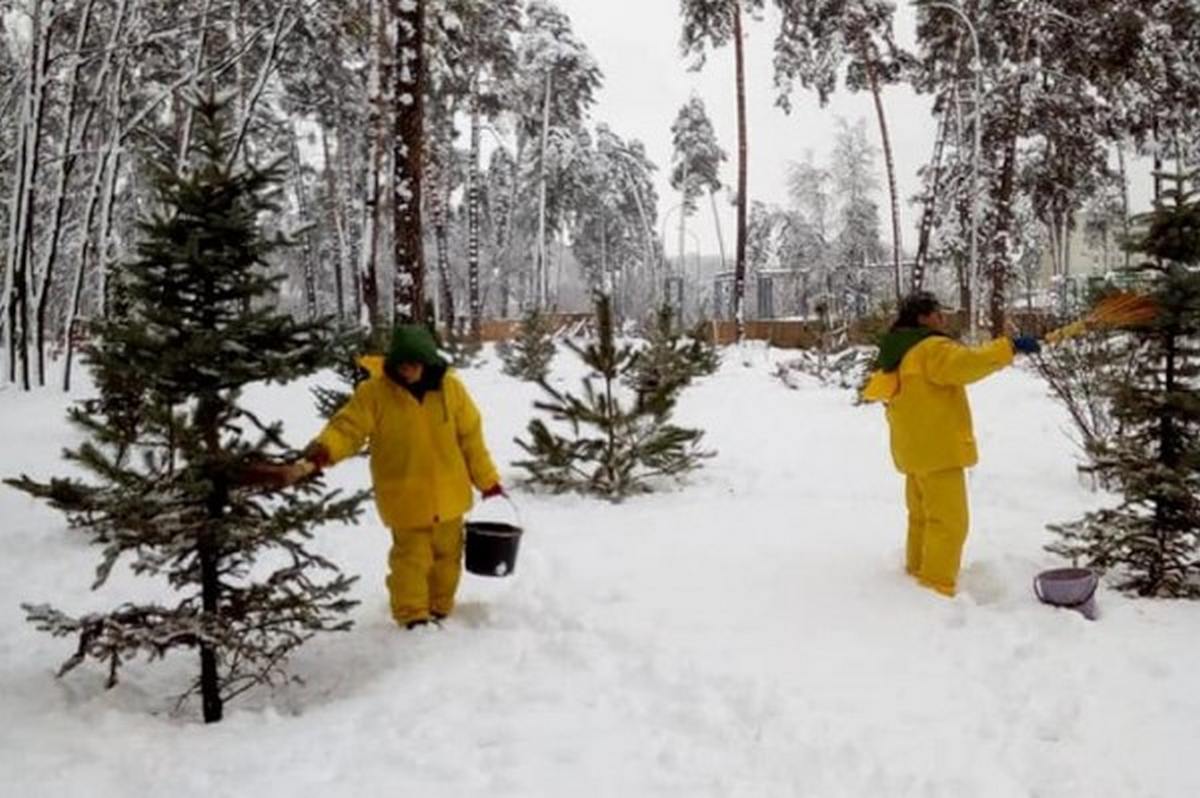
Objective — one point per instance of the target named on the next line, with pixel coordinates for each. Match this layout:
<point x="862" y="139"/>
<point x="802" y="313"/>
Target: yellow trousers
<point x="423" y="571"/>
<point x="937" y="527"/>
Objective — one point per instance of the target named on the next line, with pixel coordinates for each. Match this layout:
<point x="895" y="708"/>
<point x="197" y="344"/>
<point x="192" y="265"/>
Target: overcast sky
<point x="646" y="81"/>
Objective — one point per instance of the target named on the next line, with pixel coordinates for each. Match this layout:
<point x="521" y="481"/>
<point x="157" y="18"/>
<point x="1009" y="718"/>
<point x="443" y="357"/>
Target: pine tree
<point x="1153" y="536"/>
<point x="179" y="499"/>
<point x="696" y="167"/>
<point x="558" y="81"/>
<point x="614" y="448"/>
<point x="528" y="357"/>
<point x="714" y="23"/>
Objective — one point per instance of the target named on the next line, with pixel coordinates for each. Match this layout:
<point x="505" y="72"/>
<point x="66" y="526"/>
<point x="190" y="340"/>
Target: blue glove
<point x="1026" y="344"/>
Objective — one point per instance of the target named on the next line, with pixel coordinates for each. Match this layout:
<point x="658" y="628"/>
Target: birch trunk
<point x="67" y="157"/>
<point x="408" y="297"/>
<point x="473" y="297"/>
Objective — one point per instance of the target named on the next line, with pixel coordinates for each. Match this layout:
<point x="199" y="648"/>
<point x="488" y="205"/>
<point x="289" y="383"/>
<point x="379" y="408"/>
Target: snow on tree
<point x="696" y="166"/>
<point x="1152" y="538"/>
<point x="615" y="213"/>
<point x="858" y="241"/>
<point x="559" y="80"/>
<point x="603" y="443"/>
<point x="488" y="46"/>
<point x="816" y="37"/>
<point x="173" y="488"/>
<point x="1062" y="84"/>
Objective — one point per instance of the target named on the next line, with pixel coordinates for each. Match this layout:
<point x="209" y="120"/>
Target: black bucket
<point x="491" y="548"/>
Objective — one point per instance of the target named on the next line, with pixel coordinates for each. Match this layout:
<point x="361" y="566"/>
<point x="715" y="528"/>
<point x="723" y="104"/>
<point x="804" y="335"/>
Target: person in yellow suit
<point x="427" y="451"/>
<point x="921" y="377"/>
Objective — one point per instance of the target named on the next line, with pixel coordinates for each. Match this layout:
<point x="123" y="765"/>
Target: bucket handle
<point x="516" y="510"/>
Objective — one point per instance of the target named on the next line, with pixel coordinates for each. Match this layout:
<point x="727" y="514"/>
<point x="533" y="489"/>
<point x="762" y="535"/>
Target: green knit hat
<point x="413" y="343"/>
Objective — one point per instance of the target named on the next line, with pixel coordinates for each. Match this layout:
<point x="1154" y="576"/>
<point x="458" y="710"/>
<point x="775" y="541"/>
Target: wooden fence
<point x="779" y="333"/>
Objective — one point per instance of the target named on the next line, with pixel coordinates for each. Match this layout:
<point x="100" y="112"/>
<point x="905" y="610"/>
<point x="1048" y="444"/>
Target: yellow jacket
<point x="425" y="456"/>
<point x="927" y="408"/>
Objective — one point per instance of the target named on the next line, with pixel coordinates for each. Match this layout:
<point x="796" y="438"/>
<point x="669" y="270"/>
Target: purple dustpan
<point x="1072" y="588"/>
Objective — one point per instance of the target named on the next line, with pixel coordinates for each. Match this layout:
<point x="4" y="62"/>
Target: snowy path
<point x="750" y="635"/>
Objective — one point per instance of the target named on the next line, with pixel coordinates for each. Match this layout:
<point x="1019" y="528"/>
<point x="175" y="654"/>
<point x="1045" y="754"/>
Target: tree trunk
<point x="999" y="253"/>
<point x="473" y="200"/>
<point x="338" y="212"/>
<point x="67" y="158"/>
<point x="440" y="200"/>
<point x="108" y="159"/>
<point x="210" y="682"/>
<point x="408" y="293"/>
<point x="739" y="279"/>
<point x="207" y="420"/>
<point x="43" y="31"/>
<point x="929" y="211"/>
<point x="683" y="201"/>
<point x="712" y="196"/>
<point x="94" y="247"/>
<point x="889" y="161"/>
<point x="308" y="260"/>
<point x="505" y="236"/>
<point x="1124" y="200"/>
<point x="1158" y="163"/>
<point x="647" y="231"/>
<point x="185" y="135"/>
<point x="540" y="267"/>
<point x="377" y="76"/>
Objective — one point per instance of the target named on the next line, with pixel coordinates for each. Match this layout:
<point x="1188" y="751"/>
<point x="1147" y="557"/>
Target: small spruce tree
<point x="528" y="357"/>
<point x="175" y="492"/>
<point x="614" y="447"/>
<point x="669" y="359"/>
<point x="1152" y="538"/>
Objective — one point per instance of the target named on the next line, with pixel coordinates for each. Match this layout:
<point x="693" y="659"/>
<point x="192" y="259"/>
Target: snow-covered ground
<point x="750" y="634"/>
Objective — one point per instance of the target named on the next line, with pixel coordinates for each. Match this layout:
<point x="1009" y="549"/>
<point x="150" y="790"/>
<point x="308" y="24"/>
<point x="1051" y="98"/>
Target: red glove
<point x="316" y="454"/>
<point x="494" y="491"/>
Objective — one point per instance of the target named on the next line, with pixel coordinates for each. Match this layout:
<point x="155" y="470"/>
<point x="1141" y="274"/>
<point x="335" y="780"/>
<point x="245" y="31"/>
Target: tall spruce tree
<point x="1152" y="538"/>
<point x="179" y="492"/>
<point x="614" y="447"/>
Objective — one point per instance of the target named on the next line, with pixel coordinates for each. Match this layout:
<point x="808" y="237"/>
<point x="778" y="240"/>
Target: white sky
<point x="646" y="81"/>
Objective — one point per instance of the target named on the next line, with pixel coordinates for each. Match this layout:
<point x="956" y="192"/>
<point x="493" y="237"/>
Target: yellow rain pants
<point x="424" y="567"/>
<point x="937" y="527"/>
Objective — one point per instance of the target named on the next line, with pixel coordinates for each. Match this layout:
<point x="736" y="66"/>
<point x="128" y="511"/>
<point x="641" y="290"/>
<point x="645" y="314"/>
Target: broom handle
<point x="1068" y="331"/>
